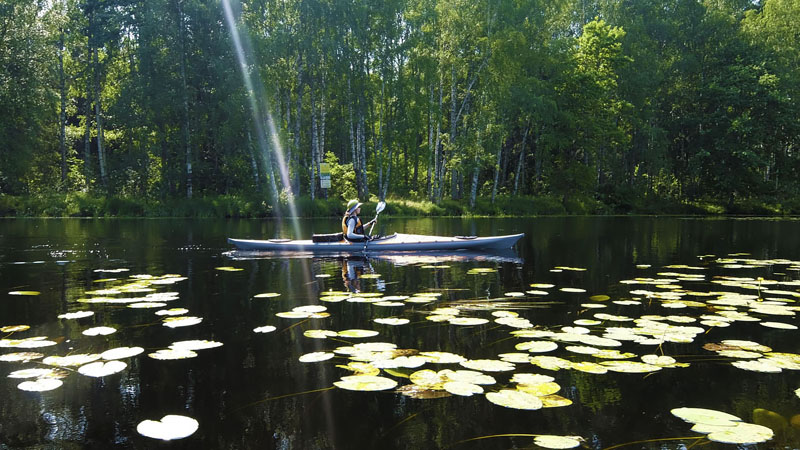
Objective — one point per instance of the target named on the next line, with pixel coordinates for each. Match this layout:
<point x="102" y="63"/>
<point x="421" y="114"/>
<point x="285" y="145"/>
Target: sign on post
<point x="324" y="175"/>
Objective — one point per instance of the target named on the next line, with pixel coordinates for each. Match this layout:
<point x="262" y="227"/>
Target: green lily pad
<point x="265" y="329"/>
<point x="357" y="333"/>
<point x="488" y="365"/>
<point x="25" y="293"/>
<point x="267" y="295"/>
<point x="742" y="433"/>
<point x="30" y="373"/>
<point x="228" y="269"/>
<point x="195" y="345"/>
<point x="14" y="328"/>
<point x="391" y="321"/>
<point x="168" y="354"/>
<point x="76" y="315"/>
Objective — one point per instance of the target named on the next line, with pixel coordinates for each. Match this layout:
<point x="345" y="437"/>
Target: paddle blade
<point x="381" y="206"/>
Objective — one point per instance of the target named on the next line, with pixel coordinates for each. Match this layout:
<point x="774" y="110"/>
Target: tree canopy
<point x="614" y="102"/>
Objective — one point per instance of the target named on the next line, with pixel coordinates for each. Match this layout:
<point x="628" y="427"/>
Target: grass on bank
<point x="232" y="206"/>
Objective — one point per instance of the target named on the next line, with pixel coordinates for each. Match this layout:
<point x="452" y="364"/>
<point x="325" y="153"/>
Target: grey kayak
<point x="393" y="243"/>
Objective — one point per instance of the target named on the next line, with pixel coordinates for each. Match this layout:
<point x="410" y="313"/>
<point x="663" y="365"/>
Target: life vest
<point x="358" y="229"/>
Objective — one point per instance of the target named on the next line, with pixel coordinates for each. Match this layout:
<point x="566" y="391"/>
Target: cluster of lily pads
<point x="691" y="305"/>
<point x="135" y="292"/>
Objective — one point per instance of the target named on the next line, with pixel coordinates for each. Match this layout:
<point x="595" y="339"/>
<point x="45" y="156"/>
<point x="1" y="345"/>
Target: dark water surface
<point x="242" y="392"/>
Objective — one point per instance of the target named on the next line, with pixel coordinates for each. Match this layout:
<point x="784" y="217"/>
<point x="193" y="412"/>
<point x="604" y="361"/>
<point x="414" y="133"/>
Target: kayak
<point x="392" y="243"/>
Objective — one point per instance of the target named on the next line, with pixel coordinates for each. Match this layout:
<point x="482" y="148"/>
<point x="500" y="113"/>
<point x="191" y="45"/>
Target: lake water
<point x="696" y="282"/>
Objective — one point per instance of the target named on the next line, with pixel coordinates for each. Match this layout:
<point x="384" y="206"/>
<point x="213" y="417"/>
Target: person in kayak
<point x="352" y="227"/>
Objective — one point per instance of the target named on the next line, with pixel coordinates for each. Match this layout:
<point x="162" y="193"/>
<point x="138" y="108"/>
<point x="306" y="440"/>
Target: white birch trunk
<point x="521" y="161"/>
<point x="98" y="112"/>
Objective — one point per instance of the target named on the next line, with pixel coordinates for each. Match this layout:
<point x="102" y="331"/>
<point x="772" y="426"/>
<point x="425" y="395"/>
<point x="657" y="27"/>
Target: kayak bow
<point x="393" y="243"/>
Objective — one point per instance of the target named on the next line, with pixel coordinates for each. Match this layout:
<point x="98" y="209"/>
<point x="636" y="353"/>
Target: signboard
<point x="325" y="175"/>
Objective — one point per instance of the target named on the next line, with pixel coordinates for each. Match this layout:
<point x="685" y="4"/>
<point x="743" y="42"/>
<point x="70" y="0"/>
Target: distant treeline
<point x="228" y="108"/>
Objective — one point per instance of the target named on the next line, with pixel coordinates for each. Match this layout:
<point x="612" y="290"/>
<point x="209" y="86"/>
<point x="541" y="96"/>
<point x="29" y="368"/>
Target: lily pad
<point x="30" y="373"/>
<point x="170" y="427"/>
<point x="365" y="383"/>
<point x="316" y="357"/>
<point x="514" y="399"/>
<point x="467" y="321"/>
<point x="168" y="354"/>
<point x="228" y="269"/>
<point x="71" y="360"/>
<point x="557" y="442"/>
<point x="21" y="356"/>
<point x="184" y="321"/>
<point x="358" y="333"/>
<point x="76" y="315"/>
<point x="742" y="433"/>
<point x="99" y="331"/>
<point x="40" y="385"/>
<point x="24" y="293"/>
<point x="488" y="365"/>
<point x="267" y="295"/>
<point x="705" y="416"/>
<point x="462" y="388"/>
<point x="391" y="321"/>
<point x="101" y="369"/>
<point x="14" y="328"/>
<point x="194" y="345"/>
<point x="265" y="329"/>
<point x="121" y="352"/>
<point x="172" y="312"/>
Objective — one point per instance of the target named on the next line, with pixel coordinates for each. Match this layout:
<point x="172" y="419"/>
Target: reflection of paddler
<point x="352" y="269"/>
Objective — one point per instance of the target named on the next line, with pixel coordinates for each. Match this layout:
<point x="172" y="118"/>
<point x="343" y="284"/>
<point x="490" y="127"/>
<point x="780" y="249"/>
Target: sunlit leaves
<point x="170" y="427"/>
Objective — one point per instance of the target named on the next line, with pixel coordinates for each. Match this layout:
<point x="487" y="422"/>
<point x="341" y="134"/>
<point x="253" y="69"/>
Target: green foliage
<point x="685" y="107"/>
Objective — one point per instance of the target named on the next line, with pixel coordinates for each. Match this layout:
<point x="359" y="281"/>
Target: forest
<point x="459" y="106"/>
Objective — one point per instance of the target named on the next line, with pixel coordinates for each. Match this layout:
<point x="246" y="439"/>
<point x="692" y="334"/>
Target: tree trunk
<point x="314" y="166"/>
<point x="98" y="111"/>
<point x="62" y="118"/>
<point x="379" y="144"/>
<point x="353" y="138"/>
<point x="253" y="161"/>
<point x="521" y="161"/>
<point x="363" y="154"/>
<point x="454" y="193"/>
<point x="474" y="188"/>
<point x="186" y="143"/>
<point x="497" y="171"/>
<point x="297" y="119"/>
<point x="439" y="175"/>
<point x="431" y="149"/>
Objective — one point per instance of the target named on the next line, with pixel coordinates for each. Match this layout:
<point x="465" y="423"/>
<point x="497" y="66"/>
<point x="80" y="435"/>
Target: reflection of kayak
<point x="499" y="255"/>
<point x="392" y="243"/>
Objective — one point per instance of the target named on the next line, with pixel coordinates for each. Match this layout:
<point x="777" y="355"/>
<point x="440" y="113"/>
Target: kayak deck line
<point x="394" y="242"/>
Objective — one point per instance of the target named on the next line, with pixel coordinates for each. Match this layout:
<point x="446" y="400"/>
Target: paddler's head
<point x="353" y="207"/>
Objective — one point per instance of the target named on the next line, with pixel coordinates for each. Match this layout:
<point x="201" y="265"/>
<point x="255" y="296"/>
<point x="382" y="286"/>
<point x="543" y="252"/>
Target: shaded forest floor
<point x="232" y="206"/>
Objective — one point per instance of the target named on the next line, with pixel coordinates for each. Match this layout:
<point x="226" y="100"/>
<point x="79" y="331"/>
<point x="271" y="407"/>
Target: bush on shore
<point x="232" y="206"/>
